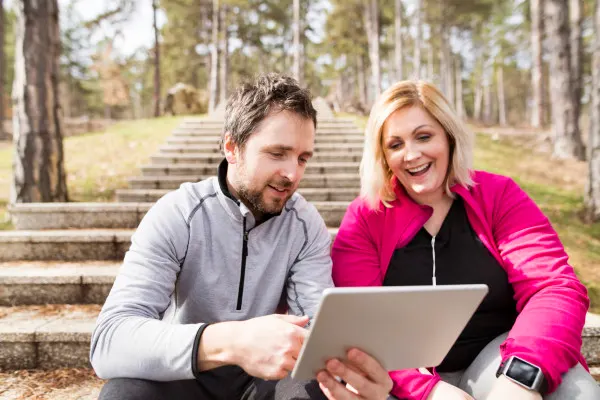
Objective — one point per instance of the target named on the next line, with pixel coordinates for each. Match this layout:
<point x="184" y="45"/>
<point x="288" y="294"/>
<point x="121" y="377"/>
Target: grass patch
<point x="5" y="223"/>
<point x="557" y="187"/>
<point x="99" y="163"/>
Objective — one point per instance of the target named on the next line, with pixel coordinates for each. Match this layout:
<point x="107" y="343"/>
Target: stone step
<point x="217" y="122"/>
<point x="64" y="245"/>
<point x="322" y="107"/>
<point x="198" y="139"/>
<point x="178" y="148"/>
<point x="207" y="169"/>
<point x="30" y="283"/>
<point x="46" y="337"/>
<point x="310" y="194"/>
<point x="216" y="158"/>
<point x="332" y="181"/>
<point x="31" y="216"/>
<point x="57" y="336"/>
<point x="36" y="216"/>
<point x="69" y="245"/>
<point x="351" y="130"/>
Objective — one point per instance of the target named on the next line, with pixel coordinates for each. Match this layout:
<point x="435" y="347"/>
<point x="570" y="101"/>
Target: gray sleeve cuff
<point x="195" y="370"/>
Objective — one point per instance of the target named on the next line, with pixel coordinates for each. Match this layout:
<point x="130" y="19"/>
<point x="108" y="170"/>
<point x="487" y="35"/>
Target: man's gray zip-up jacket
<point x="197" y="257"/>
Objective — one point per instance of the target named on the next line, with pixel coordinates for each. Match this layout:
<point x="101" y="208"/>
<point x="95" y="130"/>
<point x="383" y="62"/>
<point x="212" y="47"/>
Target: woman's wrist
<point x="504" y="388"/>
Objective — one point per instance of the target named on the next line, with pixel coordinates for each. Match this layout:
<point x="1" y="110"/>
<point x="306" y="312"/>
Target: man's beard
<point x="255" y="199"/>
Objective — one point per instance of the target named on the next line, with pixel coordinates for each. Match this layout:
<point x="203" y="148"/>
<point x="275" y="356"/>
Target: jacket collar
<point x="234" y="207"/>
<point x="222" y="177"/>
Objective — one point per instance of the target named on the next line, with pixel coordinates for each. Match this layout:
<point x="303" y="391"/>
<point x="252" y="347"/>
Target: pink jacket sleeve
<point x="551" y="300"/>
<point x="356" y="263"/>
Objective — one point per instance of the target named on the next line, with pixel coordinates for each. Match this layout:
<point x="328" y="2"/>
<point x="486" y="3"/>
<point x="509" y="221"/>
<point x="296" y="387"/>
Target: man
<point x="211" y="262"/>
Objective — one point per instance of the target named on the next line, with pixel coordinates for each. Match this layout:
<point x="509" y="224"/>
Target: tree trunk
<point x="449" y="69"/>
<point x="430" y="61"/>
<point x="156" y="62"/>
<point x="487" y="103"/>
<point x="224" y="46"/>
<point x="297" y="43"/>
<point x="477" y="80"/>
<point x="592" y="195"/>
<point x="38" y="170"/>
<point x="443" y="60"/>
<point x="460" y="104"/>
<point x="372" y="25"/>
<point x="417" y="49"/>
<point x="576" y="17"/>
<point x="567" y="137"/>
<point x="478" y="100"/>
<point x="537" y="82"/>
<point x="362" y="87"/>
<point x="398" y="39"/>
<point x="501" y="101"/>
<point x="2" y="73"/>
<point x="302" y="54"/>
<point x="214" y="59"/>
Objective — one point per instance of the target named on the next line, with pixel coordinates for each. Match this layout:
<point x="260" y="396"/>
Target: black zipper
<point x="243" y="268"/>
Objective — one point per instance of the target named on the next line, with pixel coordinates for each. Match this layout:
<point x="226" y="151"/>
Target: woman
<point x="425" y="217"/>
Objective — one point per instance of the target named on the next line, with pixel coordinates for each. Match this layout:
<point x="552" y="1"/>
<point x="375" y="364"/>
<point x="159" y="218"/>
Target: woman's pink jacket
<point x="551" y="301"/>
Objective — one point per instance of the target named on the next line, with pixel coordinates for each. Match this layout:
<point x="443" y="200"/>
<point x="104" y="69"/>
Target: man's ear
<point x="230" y="148"/>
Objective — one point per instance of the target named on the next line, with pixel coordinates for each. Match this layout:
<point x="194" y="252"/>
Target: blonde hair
<point x="376" y="176"/>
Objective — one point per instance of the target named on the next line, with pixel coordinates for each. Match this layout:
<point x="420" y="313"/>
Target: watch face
<point x="522" y="372"/>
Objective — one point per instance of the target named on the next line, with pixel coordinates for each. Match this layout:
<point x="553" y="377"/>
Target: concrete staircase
<point x="58" y="266"/>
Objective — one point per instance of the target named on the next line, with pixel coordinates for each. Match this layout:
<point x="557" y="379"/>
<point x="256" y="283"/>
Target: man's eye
<point x="303" y="161"/>
<point x="278" y="155"/>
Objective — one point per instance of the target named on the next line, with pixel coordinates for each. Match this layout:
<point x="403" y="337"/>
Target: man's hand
<point x="365" y="378"/>
<point x="446" y="391"/>
<point x="267" y="347"/>
<point x="504" y="388"/>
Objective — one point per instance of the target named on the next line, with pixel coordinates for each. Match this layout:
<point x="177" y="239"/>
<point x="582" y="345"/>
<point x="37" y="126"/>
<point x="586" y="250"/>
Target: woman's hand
<point x="504" y="388"/>
<point x="365" y="378"/>
<point x="446" y="391"/>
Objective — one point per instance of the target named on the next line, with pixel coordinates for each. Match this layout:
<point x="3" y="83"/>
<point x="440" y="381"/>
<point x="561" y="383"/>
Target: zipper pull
<point x="433" y="278"/>
<point x="245" y="236"/>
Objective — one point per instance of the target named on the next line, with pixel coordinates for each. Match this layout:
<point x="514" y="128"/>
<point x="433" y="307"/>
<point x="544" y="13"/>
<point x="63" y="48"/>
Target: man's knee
<point x="130" y="389"/>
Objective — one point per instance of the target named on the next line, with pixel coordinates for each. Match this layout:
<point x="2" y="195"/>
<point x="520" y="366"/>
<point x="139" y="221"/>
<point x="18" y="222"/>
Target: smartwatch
<point x="523" y="373"/>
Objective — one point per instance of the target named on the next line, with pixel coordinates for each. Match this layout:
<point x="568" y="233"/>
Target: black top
<point x="460" y="258"/>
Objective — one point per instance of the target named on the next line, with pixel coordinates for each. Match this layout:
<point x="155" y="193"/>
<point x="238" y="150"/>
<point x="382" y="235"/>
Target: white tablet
<point x="400" y="326"/>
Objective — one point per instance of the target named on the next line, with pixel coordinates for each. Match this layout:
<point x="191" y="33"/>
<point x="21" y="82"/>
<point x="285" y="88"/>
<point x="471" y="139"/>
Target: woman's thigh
<point x="452" y="378"/>
<point x="480" y="376"/>
<point x="577" y="384"/>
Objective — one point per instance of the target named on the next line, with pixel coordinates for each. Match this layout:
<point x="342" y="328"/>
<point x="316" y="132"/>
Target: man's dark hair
<point x="253" y="102"/>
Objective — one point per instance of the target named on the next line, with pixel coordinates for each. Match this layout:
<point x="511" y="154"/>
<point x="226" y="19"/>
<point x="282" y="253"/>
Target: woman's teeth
<point x="416" y="170"/>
